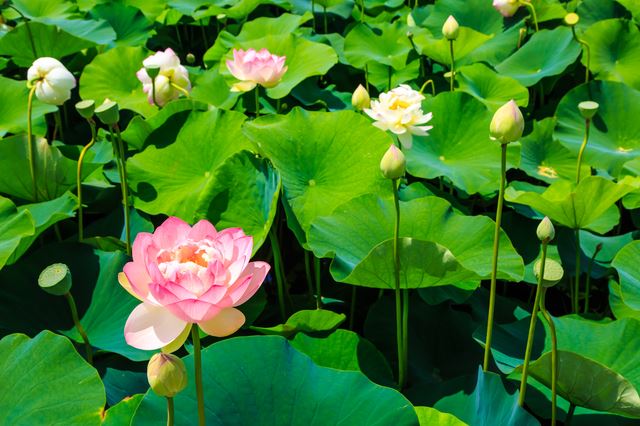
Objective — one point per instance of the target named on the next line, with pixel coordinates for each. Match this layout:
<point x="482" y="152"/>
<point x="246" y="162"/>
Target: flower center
<point x="399" y="104"/>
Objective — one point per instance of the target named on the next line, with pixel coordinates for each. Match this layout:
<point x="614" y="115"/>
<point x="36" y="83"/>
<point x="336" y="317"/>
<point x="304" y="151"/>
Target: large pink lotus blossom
<point x="188" y="275"/>
<point x="253" y="68"/>
<point x="506" y="7"/>
<point x="170" y="75"/>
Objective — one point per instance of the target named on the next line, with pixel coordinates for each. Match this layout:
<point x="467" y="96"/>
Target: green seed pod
<point x="588" y="109"/>
<point x="191" y="58"/>
<point x="152" y="70"/>
<point x="553" y="272"/>
<point x="55" y="279"/>
<point x="571" y="19"/>
<point x="108" y="112"/>
<point x="393" y="163"/>
<point x="86" y="108"/>
<point x="167" y="374"/>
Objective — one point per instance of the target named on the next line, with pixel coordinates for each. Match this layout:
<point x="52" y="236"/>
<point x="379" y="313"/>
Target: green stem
<point x="197" y="360"/>
<point x="316" y="267"/>
<point x="29" y="33"/>
<point x="405" y="330"/>
<point x="30" y="147"/>
<point x="588" y="279"/>
<point x="92" y="125"/>
<point x="532" y="328"/>
<point x="352" y="311"/>
<point x="366" y="77"/>
<point x="169" y="411"/>
<point x="324" y="14"/>
<point x="153" y="92"/>
<point x="76" y="322"/>
<point x="307" y="271"/>
<point x="396" y="275"/>
<point x="182" y="90"/>
<point x="576" y="287"/>
<point x="58" y="120"/>
<point x="433" y="87"/>
<point x="313" y="15"/>
<point x="390" y="73"/>
<point x="494" y="260"/>
<point x="257" y="97"/>
<point x="277" y="260"/>
<point x="587" y="49"/>
<point x="533" y="13"/>
<point x="453" y="72"/>
<point x="587" y="123"/>
<point x="125" y="189"/>
<point x="554" y="356"/>
<point x="362" y="11"/>
<point x="569" y="418"/>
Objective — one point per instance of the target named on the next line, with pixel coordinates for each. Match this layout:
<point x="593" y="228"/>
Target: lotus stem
<point x="532" y="10"/>
<point x="390" y="73"/>
<point x="588" y="279"/>
<point x="84" y="151"/>
<point x="30" y="147"/>
<point x="352" y="311"/>
<point x="587" y="125"/>
<point x="324" y="15"/>
<point x="316" y="267"/>
<point x="554" y="356"/>
<point x="153" y="89"/>
<point x="587" y="49"/>
<point x="576" y="287"/>
<point x="182" y="90"/>
<point x="569" y="418"/>
<point x="125" y="188"/>
<point x="277" y="260"/>
<point x="362" y="11"/>
<point x="58" y="120"/>
<point x="169" y="411"/>
<point x="424" y="86"/>
<point x="494" y="260"/>
<point x="532" y="328"/>
<point x="29" y="33"/>
<point x="307" y="271"/>
<point x="366" y="77"/>
<point x="313" y="15"/>
<point x="396" y="273"/>
<point x="405" y="330"/>
<point x="76" y="322"/>
<point x="453" y="73"/>
<point x="197" y="361"/>
<point x="257" y="98"/>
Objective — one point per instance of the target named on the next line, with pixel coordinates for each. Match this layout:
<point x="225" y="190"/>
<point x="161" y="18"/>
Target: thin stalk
<point x="587" y="125"/>
<point x="29" y="33"/>
<point x="424" y="86"/>
<point x="204" y="33"/>
<point x="453" y="72"/>
<point x="313" y="15"/>
<point x="153" y="90"/>
<point x="316" y="267"/>
<point x="494" y="260"/>
<point x="352" y="311"/>
<point x="533" y="13"/>
<point x="76" y="322"/>
<point x="396" y="274"/>
<point x="182" y="90"/>
<point x="362" y="11"/>
<point x="92" y="125"/>
<point x="532" y="328"/>
<point x="405" y="329"/>
<point x="588" y="284"/>
<point x="324" y="14"/>
<point x="554" y="356"/>
<point x="58" y="120"/>
<point x="390" y="72"/>
<point x="197" y="360"/>
<point x="521" y="35"/>
<point x="169" y="411"/>
<point x="587" y="49"/>
<point x="366" y="77"/>
<point x="576" y="287"/>
<point x="257" y="97"/>
<point x="307" y="271"/>
<point x="569" y="418"/>
<point x="277" y="260"/>
<point x="125" y="189"/>
<point x="30" y="147"/>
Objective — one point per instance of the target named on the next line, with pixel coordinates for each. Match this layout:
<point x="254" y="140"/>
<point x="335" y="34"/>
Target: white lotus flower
<point x="53" y="82"/>
<point x="170" y="74"/>
<point x="400" y="111"/>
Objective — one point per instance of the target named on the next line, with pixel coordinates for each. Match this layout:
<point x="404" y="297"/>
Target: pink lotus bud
<point x="506" y="7"/>
<point x="255" y="68"/>
<point x="169" y="74"/>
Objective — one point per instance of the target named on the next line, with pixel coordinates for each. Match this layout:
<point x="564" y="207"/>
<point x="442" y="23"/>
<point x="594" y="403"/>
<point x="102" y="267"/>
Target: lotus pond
<point x="319" y="212"/>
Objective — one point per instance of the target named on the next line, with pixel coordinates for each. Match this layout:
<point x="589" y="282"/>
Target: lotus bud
<point x="152" y="70"/>
<point x="507" y="124"/>
<point x="167" y="374"/>
<point x="450" y="29"/>
<point x="546" y="232"/>
<point x="191" y="58"/>
<point x="393" y="163"/>
<point x="108" y="112"/>
<point x="588" y="109"/>
<point x="86" y="108"/>
<point x="55" y="279"/>
<point x="553" y="272"/>
<point x="360" y="98"/>
<point x="571" y="19"/>
<point x="411" y="23"/>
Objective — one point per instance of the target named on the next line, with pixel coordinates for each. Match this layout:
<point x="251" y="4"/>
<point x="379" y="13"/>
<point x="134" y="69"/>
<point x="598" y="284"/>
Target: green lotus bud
<point x="167" y="374"/>
<point x="191" y="58"/>
<point x="571" y="19"/>
<point x="411" y="23"/>
<point x="108" y="112"/>
<point x="507" y="123"/>
<point x="553" y="272"/>
<point x="450" y="29"/>
<point x="55" y="279"/>
<point x="360" y="98"/>
<point x="545" y="230"/>
<point x="152" y="70"/>
<point x="393" y="163"/>
<point x="86" y="108"/>
<point x="588" y="109"/>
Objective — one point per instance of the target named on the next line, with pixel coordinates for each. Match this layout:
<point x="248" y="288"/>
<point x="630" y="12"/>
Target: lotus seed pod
<point x="108" y="112"/>
<point x="507" y="123"/>
<point x="553" y="272"/>
<point x="545" y="230"/>
<point x="571" y="19"/>
<point x="55" y="279"/>
<point x="360" y="98"/>
<point x="86" y="108"/>
<point x="152" y="70"/>
<point x="191" y="58"/>
<point x="167" y="374"/>
<point x="450" y="29"/>
<point x="393" y="163"/>
<point x="588" y="109"/>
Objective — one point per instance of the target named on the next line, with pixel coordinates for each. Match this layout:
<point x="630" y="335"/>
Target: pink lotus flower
<point x="253" y="68"/>
<point x="171" y="75"/>
<point x="506" y="7"/>
<point x="188" y="275"/>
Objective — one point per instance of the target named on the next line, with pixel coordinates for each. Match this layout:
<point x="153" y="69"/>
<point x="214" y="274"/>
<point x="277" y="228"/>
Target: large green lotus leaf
<point x="618" y="307"/>
<point x="615" y="51"/>
<point x="496" y="49"/>
<point x="547" y="53"/>
<point x="266" y="381"/>
<point x="587" y="383"/>
<point x="55" y="173"/>
<point x="544" y="158"/>
<point x="14" y="227"/>
<point x="211" y="88"/>
<point x="436" y="47"/>
<point x="304" y="59"/>
<point x="626" y="263"/>
<point x="576" y="206"/>
<point x="45" y="215"/>
<point x="47" y="382"/>
<point x="489" y="404"/>
<point x="477" y="14"/>
<point x="122" y="413"/>
<point x="48" y="40"/>
<point x="609" y="247"/>
<point x="243" y="193"/>
<point x="468" y="239"/>
<point x="379" y="75"/>
<point x="488" y="87"/>
<point x="385" y="43"/>
<point x="614" y="136"/>
<point x="13" y="108"/>
<point x="307" y="321"/>
<point x="548" y="10"/>
<point x="131" y="26"/>
<point x="592" y="11"/>
<point x="346" y="350"/>
<point x="168" y="177"/>
<point x="463" y="153"/>
<point x="324" y="158"/>
<point x="34" y="9"/>
<point x="632" y="6"/>
<point x="430" y="416"/>
<point x="112" y="75"/>
<point x="238" y="9"/>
